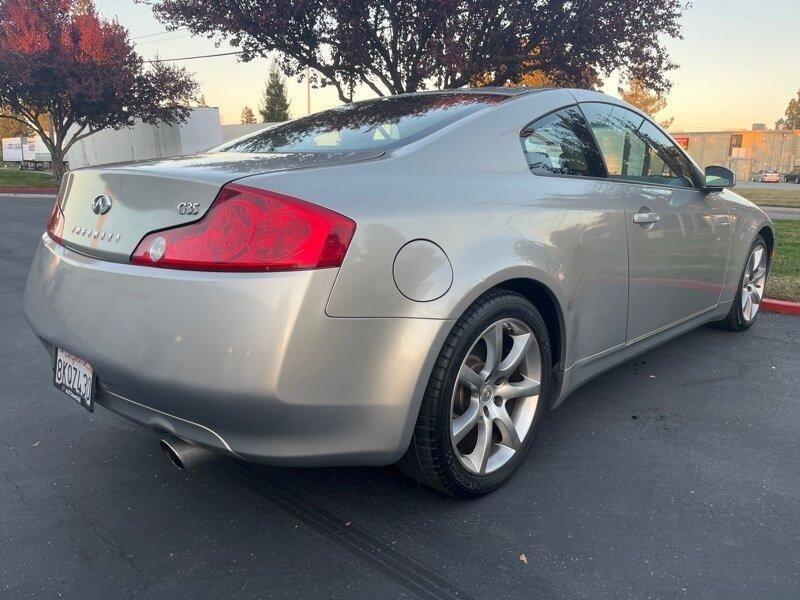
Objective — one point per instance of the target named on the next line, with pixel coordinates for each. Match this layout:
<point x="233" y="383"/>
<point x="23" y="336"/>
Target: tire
<point x="737" y="319"/>
<point x="432" y="457"/>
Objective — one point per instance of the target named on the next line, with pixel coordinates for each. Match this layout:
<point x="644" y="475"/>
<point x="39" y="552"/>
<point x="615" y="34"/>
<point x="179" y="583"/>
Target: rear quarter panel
<point x="468" y="189"/>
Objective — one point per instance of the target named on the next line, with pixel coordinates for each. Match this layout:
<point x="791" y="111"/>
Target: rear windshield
<point x="362" y="126"/>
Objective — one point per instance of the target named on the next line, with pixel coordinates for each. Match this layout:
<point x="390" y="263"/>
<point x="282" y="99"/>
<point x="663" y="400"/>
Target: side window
<point x="636" y="150"/>
<point x="561" y="144"/>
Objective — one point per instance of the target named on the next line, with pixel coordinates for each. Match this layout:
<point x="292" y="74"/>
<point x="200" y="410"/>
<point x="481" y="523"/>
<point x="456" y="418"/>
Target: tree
<point x="61" y="61"/>
<point x="12" y="128"/>
<point x="395" y="46"/>
<point x="201" y="101"/>
<point x="274" y="103"/>
<point x="247" y="116"/>
<point x="646" y="100"/>
<point x="791" y="118"/>
<point x="83" y="7"/>
<point x="589" y="79"/>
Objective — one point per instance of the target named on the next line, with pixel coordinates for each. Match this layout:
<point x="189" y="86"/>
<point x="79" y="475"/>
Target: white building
<point x="201" y="131"/>
<point x="237" y="130"/>
<point x="142" y="141"/>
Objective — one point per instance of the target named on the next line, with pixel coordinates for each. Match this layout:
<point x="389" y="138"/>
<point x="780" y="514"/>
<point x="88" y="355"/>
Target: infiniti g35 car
<point x="413" y="279"/>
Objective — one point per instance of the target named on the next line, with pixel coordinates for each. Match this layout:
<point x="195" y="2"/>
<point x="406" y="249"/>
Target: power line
<point x="155" y="60"/>
<point x="158" y="41"/>
<point x="139" y="37"/>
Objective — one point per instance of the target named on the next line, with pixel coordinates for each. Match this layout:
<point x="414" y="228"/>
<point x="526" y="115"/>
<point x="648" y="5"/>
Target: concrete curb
<point x="781" y="306"/>
<point x="29" y="190"/>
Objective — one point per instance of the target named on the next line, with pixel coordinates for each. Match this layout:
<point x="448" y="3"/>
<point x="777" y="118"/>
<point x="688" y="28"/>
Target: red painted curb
<point x="781" y="306"/>
<point x="28" y="190"/>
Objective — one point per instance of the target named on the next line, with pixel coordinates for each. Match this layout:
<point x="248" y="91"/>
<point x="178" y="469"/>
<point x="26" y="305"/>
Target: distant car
<point x="416" y="278"/>
<point x="793" y="176"/>
<point x="767" y="177"/>
<point x="33" y="166"/>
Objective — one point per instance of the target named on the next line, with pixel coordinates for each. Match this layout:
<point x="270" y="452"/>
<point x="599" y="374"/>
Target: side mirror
<point x="719" y="178"/>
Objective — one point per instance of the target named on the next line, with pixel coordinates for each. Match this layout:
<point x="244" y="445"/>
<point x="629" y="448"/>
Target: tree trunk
<point x="58" y="166"/>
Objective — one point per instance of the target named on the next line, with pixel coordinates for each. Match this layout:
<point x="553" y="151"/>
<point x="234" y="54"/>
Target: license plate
<point x="75" y="377"/>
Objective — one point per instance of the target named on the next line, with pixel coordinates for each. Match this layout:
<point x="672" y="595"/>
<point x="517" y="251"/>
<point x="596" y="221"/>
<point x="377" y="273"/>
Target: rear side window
<point x="561" y="144"/>
<point x="366" y="126"/>
<point x="636" y="150"/>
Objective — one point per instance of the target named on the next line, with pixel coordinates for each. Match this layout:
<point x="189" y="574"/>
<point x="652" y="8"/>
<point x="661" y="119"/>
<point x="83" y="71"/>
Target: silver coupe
<point x="413" y="279"/>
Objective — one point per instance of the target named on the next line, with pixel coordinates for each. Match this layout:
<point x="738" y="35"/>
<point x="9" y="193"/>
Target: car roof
<point x="502" y="90"/>
<point x="482" y="91"/>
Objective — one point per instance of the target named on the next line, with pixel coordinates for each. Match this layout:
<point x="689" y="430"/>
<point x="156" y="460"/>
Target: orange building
<point x="742" y="151"/>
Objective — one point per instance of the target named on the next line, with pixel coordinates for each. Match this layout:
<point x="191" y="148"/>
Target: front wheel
<point x="750" y="293"/>
<point x="484" y="400"/>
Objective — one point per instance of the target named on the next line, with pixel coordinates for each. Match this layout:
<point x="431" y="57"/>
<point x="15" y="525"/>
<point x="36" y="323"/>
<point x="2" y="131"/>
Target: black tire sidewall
<point x="504" y="306"/>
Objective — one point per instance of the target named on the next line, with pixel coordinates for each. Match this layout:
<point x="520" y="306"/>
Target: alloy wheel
<point x="755" y="276"/>
<point x="495" y="396"/>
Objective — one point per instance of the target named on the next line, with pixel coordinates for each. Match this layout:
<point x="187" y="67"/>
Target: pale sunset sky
<point x="739" y="64"/>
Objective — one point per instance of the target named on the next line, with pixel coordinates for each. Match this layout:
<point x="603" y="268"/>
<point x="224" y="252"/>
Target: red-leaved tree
<point x="59" y="59"/>
<point x="395" y="46"/>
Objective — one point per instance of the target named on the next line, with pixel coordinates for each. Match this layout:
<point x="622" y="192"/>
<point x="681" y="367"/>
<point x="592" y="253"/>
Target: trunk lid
<point x="109" y="209"/>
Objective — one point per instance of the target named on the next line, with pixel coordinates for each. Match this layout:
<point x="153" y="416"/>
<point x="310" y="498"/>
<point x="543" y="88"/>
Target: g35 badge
<point x="188" y="208"/>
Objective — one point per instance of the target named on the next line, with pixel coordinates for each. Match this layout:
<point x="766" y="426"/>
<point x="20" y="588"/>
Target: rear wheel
<point x="486" y="395"/>
<point x="747" y="301"/>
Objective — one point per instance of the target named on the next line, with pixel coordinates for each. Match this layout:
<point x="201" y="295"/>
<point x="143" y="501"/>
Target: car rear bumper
<point x="247" y="364"/>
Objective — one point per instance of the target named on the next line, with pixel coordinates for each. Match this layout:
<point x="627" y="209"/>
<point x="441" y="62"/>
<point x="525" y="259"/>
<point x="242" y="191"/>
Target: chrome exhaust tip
<point x="183" y="455"/>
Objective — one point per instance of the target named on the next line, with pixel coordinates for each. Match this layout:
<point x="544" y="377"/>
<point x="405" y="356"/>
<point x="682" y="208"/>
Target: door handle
<point x="646" y="218"/>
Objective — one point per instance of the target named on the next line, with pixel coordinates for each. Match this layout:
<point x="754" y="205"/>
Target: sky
<point x="738" y="64"/>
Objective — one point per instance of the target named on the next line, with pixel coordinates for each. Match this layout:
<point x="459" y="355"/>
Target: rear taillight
<point x="55" y="225"/>
<point x="247" y="229"/>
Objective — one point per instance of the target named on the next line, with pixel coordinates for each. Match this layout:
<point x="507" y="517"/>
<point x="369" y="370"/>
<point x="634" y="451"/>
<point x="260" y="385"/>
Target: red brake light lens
<point x="247" y="229"/>
<point x="55" y="225"/>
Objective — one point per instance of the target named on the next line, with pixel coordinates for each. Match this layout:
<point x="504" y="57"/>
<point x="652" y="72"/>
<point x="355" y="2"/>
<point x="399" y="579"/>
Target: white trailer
<point x="28" y="149"/>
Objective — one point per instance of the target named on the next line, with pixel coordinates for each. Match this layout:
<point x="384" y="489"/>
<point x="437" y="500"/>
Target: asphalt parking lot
<point x="675" y="475"/>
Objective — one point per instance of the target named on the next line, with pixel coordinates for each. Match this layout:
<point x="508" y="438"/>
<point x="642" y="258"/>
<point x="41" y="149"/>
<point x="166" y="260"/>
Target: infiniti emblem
<point x="101" y="205"/>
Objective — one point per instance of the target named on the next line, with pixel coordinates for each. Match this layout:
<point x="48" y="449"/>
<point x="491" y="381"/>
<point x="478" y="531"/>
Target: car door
<point x="582" y="216"/>
<point x="678" y="235"/>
